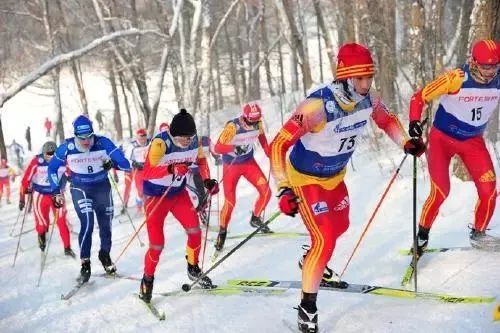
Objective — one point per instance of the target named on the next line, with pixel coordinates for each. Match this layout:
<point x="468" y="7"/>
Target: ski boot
<point x="482" y="241"/>
<point x="422" y="240"/>
<point x="146" y="289"/>
<point x="256" y="222"/>
<point x="307" y="321"/>
<point x="194" y="272"/>
<point x="41" y="241"/>
<point x="221" y="239"/>
<point x="108" y="265"/>
<point x="85" y="271"/>
<point x="69" y="252"/>
<point x="330" y="278"/>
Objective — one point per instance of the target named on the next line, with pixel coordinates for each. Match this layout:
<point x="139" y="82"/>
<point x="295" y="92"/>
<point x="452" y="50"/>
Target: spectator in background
<point x="28" y="137"/>
<point x="48" y="126"/>
<point x="98" y="117"/>
<point x="18" y="150"/>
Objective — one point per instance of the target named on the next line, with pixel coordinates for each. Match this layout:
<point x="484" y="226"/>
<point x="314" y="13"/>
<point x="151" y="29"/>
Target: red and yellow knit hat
<point x="354" y="60"/>
<point x="485" y="52"/>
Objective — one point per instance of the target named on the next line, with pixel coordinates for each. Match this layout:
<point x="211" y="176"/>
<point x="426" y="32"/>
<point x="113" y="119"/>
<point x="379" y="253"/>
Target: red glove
<point x="415" y="147"/>
<point x="212" y="186"/>
<point x="288" y="202"/>
<point x="178" y="169"/>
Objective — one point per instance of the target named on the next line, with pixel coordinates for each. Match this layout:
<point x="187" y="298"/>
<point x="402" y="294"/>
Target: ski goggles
<point x="84" y="136"/>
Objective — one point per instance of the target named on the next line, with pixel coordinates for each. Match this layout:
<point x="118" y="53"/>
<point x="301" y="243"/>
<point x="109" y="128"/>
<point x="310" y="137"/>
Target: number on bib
<point x="347" y="143"/>
<point x="90" y="169"/>
<point x="476" y="113"/>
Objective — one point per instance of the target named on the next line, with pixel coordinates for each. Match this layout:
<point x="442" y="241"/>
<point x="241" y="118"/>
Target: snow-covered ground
<point x="110" y="305"/>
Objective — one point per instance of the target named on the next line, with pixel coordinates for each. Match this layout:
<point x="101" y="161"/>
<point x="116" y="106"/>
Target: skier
<point x="35" y="182"/>
<point x="323" y="132"/>
<point x="165" y="172"/>
<point x="7" y="174"/>
<point x="236" y="144"/>
<point x="468" y="96"/>
<point x="28" y="137"/>
<point x="163" y="127"/>
<point x="48" y="126"/>
<point x="89" y="158"/>
<point x="137" y="155"/>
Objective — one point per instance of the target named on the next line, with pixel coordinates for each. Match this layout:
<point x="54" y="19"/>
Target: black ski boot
<point x="108" y="265"/>
<point x="221" y="239"/>
<point x="194" y="272"/>
<point x="482" y="241"/>
<point x="422" y="240"/>
<point x="330" y="278"/>
<point x="307" y="321"/>
<point x="69" y="252"/>
<point x="85" y="271"/>
<point x="41" y="241"/>
<point x="256" y="222"/>
<point x="146" y="290"/>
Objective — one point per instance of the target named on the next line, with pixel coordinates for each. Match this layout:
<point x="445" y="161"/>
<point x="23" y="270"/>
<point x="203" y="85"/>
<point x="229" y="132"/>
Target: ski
<point x="215" y="255"/>
<point x="409" y="271"/>
<point x="437" y="250"/>
<point x="366" y="289"/>
<point x="75" y="289"/>
<point x="117" y="276"/>
<point x="152" y="308"/>
<point x="270" y="235"/>
<point x="225" y="290"/>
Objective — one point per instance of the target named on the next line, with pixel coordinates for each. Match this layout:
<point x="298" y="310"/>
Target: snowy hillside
<point x="110" y="305"/>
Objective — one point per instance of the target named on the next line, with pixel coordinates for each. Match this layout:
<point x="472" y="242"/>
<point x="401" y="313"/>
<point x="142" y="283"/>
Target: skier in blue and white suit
<point x="89" y="157"/>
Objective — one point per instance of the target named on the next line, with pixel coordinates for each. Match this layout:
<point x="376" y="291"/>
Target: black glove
<point x="211" y="185"/>
<point x="21" y="204"/>
<point x="137" y="165"/>
<point x="240" y="150"/>
<point x="415" y="129"/>
<point x="29" y="190"/>
<point x="57" y="200"/>
<point x="107" y="165"/>
<point x="415" y="147"/>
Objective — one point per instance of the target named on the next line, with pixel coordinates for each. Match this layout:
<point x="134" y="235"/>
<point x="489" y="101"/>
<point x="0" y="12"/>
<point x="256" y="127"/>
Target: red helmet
<point x="164" y="127"/>
<point x="141" y="132"/>
<point x="485" y="52"/>
<point x="252" y="112"/>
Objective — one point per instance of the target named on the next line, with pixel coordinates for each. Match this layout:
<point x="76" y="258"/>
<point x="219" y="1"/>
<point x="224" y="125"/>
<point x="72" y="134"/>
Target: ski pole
<point x="46" y="252"/>
<point x="20" y="233"/>
<point x="414" y="222"/>
<point x="374" y="213"/>
<point x="187" y="287"/>
<point x="209" y="203"/>
<point x="11" y="233"/>
<point x="126" y="211"/>
<point x="143" y="223"/>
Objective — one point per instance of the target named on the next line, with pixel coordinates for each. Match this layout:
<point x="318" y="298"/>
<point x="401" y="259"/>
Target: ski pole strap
<point x="234" y="249"/>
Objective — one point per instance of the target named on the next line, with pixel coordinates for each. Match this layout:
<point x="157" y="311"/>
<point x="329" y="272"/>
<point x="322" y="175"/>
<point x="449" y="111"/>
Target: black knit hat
<point x="182" y="124"/>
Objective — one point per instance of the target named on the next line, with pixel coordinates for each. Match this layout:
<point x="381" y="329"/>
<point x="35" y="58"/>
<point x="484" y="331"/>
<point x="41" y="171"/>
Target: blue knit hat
<point x="82" y="126"/>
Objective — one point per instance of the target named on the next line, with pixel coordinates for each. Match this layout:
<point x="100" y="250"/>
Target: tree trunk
<point x="233" y="70"/>
<point x="59" y="132"/>
<point x="254" y="15"/>
<point x="117" y="119"/>
<point x="127" y="107"/>
<point x="3" y="148"/>
<point x="265" y="46"/>
<point x="327" y="38"/>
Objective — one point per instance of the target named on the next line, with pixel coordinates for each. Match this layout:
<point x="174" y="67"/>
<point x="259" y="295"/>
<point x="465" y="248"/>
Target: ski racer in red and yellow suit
<point x="236" y="144"/>
<point x="468" y="96"/>
<point x="136" y="154"/>
<point x="323" y="132"/>
<point x="6" y="174"/>
<point x="35" y="181"/>
<point x="165" y="171"/>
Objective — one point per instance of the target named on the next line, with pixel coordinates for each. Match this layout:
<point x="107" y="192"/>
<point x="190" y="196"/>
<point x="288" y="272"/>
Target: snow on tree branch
<point x="65" y="57"/>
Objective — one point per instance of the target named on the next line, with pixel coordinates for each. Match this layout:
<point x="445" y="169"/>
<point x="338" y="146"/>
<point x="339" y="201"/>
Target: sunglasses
<point x="85" y="137"/>
<point x="49" y="153"/>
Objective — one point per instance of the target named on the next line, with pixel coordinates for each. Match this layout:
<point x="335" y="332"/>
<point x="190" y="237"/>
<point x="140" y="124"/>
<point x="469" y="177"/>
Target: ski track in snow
<point x="110" y="306"/>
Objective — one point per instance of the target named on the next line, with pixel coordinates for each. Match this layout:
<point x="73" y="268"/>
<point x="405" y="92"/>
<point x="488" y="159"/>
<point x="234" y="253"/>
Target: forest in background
<point x="220" y="53"/>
